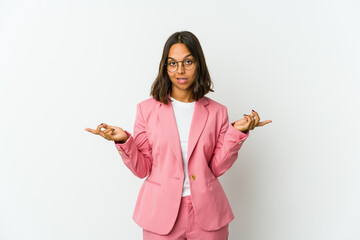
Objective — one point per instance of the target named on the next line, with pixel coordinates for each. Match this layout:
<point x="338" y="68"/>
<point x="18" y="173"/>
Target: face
<point x="181" y="79"/>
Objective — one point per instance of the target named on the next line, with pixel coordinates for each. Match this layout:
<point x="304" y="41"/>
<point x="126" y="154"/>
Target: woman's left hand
<point x="249" y="122"/>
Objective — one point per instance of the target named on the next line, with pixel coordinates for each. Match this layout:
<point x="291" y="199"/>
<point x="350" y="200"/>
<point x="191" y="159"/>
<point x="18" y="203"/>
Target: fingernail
<point x="102" y="124"/>
<point x="253" y="110"/>
<point x="244" y="114"/>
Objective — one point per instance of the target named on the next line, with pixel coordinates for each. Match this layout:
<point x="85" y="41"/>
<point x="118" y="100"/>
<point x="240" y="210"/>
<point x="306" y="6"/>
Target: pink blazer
<point x="154" y="152"/>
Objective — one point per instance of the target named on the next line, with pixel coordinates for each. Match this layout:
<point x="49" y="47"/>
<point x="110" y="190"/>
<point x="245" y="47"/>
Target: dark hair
<point x="202" y="84"/>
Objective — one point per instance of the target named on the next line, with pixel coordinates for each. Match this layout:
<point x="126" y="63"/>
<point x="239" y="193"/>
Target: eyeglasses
<point x="172" y="65"/>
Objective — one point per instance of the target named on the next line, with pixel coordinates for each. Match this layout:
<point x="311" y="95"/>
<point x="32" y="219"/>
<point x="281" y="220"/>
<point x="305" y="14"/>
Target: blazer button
<point x="120" y="152"/>
<point x="193" y="177"/>
<point x="240" y="142"/>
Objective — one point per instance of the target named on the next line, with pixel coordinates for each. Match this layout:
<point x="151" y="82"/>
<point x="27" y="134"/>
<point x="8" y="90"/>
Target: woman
<point x="182" y="143"/>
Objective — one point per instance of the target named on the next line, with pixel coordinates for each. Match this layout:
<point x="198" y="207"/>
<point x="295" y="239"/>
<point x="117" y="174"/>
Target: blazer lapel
<point x="169" y="127"/>
<point x="170" y="130"/>
<point x="198" y="122"/>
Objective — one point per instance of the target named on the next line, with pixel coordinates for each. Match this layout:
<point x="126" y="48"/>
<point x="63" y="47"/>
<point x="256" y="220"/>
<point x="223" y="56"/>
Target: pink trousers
<point x="187" y="228"/>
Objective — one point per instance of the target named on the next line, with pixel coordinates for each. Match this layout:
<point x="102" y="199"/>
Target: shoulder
<point x="214" y="105"/>
<point x="147" y="106"/>
<point x="148" y="102"/>
<point x="218" y="111"/>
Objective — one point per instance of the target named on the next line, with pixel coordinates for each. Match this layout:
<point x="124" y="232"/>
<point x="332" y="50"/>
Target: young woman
<point x="182" y="142"/>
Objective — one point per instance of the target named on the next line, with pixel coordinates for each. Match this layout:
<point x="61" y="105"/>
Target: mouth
<point x="182" y="80"/>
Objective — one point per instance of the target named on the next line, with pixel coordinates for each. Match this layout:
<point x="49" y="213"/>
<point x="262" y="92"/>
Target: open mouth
<point x="182" y="80"/>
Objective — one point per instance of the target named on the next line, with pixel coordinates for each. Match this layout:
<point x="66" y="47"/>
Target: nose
<point x="180" y="67"/>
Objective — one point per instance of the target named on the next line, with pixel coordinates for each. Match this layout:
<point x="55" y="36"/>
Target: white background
<point x="68" y="65"/>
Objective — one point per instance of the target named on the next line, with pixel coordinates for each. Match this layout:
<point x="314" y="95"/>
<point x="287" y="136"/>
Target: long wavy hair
<point x="202" y="84"/>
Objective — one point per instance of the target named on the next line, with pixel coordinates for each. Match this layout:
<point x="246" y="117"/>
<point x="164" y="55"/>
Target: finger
<point x="91" y="130"/>
<point x="102" y="134"/>
<point x="263" y="123"/>
<point x="248" y="123"/>
<point x="106" y="126"/>
<point x="112" y="132"/>
<point x="252" y="125"/>
<point x="252" y="122"/>
<point x="107" y="135"/>
<point x="108" y="132"/>
<point x="98" y="129"/>
<point x="257" y="117"/>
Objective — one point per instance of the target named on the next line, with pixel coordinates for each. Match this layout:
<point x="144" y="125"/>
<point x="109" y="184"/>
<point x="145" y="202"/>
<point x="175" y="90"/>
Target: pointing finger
<point x="264" y="123"/>
<point x="91" y="130"/>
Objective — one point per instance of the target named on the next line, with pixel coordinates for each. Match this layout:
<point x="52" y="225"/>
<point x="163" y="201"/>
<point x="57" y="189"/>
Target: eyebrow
<point x="183" y="58"/>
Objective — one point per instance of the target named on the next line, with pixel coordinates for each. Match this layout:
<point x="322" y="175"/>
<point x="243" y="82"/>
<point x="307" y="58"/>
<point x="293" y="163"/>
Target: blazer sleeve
<point x="136" y="152"/>
<point x="227" y="146"/>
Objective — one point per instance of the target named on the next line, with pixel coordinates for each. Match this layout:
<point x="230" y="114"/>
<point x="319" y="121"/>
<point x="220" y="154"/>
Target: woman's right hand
<point x="110" y="133"/>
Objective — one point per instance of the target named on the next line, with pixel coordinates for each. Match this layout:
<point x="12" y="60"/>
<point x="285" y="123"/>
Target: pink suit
<point x="154" y="152"/>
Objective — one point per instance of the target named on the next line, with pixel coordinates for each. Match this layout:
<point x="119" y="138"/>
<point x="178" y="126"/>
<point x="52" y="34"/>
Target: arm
<point x="228" y="144"/>
<point x="136" y="152"/>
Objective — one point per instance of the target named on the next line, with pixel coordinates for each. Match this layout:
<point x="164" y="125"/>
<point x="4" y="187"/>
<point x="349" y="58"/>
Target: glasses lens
<point x="171" y="66"/>
<point x="189" y="64"/>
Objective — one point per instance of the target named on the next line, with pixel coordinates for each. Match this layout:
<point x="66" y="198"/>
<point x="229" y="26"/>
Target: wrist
<point x="243" y="131"/>
<point x="122" y="141"/>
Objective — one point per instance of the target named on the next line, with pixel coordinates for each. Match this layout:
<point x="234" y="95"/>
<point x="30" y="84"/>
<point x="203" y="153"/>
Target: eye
<point x="188" y="61"/>
<point x="172" y="64"/>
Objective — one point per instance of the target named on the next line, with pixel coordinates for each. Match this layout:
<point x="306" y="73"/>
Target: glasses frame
<point x="183" y="65"/>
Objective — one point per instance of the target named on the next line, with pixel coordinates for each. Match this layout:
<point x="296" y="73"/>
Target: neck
<point x="181" y="96"/>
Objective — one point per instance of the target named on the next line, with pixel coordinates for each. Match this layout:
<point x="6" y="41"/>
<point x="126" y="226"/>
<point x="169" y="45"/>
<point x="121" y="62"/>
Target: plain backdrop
<point x="68" y="65"/>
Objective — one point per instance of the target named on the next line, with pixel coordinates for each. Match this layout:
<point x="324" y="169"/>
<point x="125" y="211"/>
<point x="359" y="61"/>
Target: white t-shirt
<point x="183" y="114"/>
